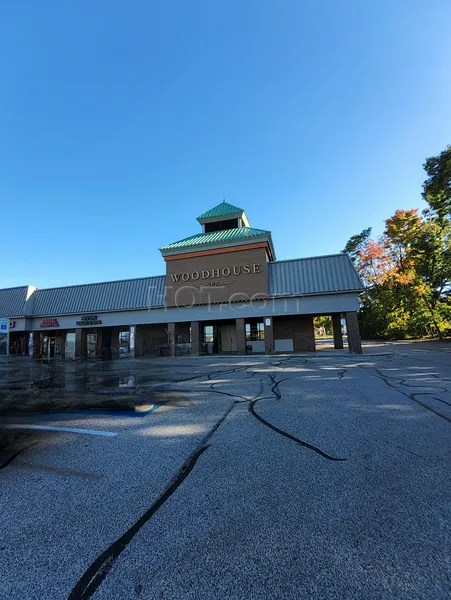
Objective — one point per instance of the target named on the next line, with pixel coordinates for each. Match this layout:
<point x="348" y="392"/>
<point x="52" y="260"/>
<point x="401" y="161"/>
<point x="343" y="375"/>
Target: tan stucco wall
<point x="187" y="282"/>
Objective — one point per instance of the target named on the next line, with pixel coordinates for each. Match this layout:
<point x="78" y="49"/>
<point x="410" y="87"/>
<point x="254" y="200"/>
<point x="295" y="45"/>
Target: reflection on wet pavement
<point x="27" y="385"/>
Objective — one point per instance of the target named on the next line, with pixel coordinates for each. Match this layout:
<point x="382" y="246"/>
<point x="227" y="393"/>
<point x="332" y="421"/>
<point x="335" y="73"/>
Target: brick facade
<point x="240" y="337"/>
<point x="299" y="328"/>
<point x="149" y="338"/>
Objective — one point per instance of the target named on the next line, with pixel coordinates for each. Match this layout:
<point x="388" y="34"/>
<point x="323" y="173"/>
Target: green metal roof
<point x="221" y="210"/>
<point x="227" y="235"/>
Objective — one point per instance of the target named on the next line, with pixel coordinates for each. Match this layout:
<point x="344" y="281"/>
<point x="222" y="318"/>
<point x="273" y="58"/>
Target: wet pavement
<point x="321" y="476"/>
<point x="32" y="385"/>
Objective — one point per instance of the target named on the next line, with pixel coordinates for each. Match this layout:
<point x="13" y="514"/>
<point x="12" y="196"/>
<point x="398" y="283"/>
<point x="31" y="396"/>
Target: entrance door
<point x="91" y="345"/>
<point x="51" y="346"/>
<point x="228" y="338"/>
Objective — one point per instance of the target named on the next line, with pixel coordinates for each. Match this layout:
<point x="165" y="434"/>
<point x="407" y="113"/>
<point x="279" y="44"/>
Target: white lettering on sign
<point x="216" y="273"/>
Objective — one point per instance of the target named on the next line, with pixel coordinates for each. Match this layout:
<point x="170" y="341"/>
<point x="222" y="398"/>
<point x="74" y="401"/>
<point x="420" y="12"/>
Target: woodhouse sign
<point x="215" y="273"/>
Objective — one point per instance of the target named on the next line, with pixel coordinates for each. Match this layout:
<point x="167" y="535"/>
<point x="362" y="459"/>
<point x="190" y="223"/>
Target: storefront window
<point x="91" y="345"/>
<point x="70" y="345"/>
<point x="208" y="334"/>
<point x="255" y="331"/>
<point x="124" y="343"/>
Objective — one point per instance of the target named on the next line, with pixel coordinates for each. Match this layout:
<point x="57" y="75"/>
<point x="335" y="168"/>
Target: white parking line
<point x="63" y="429"/>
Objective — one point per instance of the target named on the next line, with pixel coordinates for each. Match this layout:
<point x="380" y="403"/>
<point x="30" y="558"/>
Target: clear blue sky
<point x="121" y="121"/>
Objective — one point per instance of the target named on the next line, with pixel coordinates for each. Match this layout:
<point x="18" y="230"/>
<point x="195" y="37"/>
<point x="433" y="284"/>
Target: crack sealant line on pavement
<point x="96" y="573"/>
<point x="443" y="401"/>
<point x="277" y="394"/>
<point x="11" y="458"/>
<point x="412" y="396"/>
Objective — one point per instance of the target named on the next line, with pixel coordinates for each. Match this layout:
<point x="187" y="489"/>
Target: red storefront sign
<point x="49" y="323"/>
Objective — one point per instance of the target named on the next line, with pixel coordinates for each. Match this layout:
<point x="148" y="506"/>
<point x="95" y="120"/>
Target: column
<point x="78" y="343"/>
<point x="196" y="338"/>
<point x="352" y="326"/>
<point x="132" y="348"/>
<point x="240" y="337"/>
<point x="269" y="336"/>
<point x="99" y="342"/>
<point x="336" y="329"/>
<point x="36" y="344"/>
<point x="171" y="338"/>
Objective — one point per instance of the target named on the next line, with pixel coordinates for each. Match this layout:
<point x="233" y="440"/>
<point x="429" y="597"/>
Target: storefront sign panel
<point x="88" y="321"/>
<point x="49" y="323"/>
<point x="4" y="329"/>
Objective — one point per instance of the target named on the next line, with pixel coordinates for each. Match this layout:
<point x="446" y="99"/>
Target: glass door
<point x="124" y="344"/>
<point x="58" y="346"/>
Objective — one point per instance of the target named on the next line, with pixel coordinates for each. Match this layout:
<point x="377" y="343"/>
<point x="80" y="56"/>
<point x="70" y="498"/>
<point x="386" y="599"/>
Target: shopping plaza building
<point x="223" y="292"/>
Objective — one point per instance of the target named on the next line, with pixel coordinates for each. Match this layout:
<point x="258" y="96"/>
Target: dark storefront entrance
<point x="107" y="342"/>
<point x="51" y="344"/>
<point x="18" y="343"/>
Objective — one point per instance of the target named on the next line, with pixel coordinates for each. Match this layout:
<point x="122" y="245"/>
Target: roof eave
<point x="271" y="247"/>
<point x="237" y="214"/>
<point x="219" y="244"/>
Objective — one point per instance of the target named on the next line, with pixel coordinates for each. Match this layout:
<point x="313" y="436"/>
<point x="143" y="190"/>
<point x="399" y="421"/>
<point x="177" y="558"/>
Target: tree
<point x="356" y="243"/>
<point x="437" y="187"/>
<point x="407" y="273"/>
<point x="323" y="325"/>
<point x="407" y="270"/>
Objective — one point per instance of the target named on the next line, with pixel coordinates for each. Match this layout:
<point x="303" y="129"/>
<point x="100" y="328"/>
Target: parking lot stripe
<point x="62" y="429"/>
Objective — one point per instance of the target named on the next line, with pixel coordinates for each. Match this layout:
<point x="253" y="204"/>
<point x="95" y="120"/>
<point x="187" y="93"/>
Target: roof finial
<point x="223" y="198"/>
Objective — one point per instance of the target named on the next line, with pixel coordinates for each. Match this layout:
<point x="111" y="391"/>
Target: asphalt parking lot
<point x="323" y="476"/>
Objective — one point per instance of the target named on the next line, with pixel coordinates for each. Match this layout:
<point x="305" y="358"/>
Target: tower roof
<point x="224" y="209"/>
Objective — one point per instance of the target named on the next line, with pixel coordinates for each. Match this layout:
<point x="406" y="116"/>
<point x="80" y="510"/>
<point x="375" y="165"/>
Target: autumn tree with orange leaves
<point x="407" y="272"/>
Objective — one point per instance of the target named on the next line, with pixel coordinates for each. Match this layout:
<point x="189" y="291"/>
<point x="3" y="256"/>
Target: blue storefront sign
<point x="4" y="336"/>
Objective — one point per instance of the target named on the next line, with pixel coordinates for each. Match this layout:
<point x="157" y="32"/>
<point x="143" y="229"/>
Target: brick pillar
<point x="63" y="345"/>
<point x="240" y="337"/>
<point x="336" y="328"/>
<point x="196" y="338"/>
<point x="99" y="342"/>
<point x="269" y="336"/>
<point x="171" y="338"/>
<point x="352" y="326"/>
<point x="36" y="343"/>
<point x="78" y="343"/>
